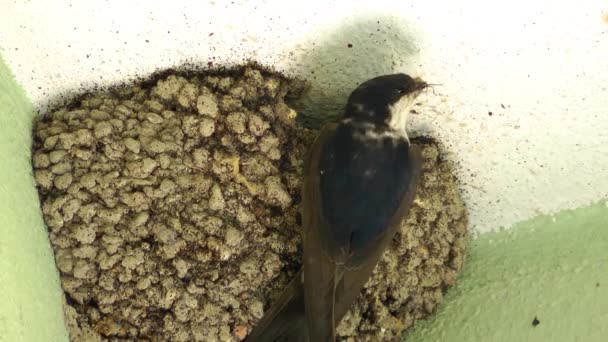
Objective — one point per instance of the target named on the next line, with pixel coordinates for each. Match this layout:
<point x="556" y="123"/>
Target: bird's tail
<point x="285" y="321"/>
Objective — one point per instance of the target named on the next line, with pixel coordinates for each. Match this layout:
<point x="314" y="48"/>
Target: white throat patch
<point x="399" y="112"/>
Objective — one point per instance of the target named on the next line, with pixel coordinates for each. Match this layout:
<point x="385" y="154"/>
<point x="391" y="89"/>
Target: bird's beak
<point x="420" y="84"/>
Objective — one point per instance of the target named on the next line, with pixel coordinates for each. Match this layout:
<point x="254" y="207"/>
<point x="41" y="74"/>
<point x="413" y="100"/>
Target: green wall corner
<point x="552" y="268"/>
<point x="30" y="293"/>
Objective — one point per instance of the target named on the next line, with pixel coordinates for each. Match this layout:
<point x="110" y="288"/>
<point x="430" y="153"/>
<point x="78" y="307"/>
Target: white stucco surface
<point x="539" y="67"/>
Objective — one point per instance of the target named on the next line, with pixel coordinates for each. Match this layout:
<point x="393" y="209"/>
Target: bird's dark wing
<point x="319" y="269"/>
<point x="329" y="295"/>
<point x="356" y="193"/>
<point x="363" y="179"/>
<point x="353" y="279"/>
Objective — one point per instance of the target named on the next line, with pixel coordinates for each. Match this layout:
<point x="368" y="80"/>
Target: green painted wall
<point x="554" y="269"/>
<point x="30" y="294"/>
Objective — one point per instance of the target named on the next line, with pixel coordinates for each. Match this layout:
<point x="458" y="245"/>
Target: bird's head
<point x="384" y="101"/>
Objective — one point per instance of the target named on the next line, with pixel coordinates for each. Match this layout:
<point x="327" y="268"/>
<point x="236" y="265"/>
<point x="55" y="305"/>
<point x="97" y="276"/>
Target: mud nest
<point x="172" y="209"/>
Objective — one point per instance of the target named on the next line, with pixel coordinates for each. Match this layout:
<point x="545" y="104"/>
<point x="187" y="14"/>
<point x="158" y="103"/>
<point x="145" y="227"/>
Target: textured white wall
<point x="540" y="68"/>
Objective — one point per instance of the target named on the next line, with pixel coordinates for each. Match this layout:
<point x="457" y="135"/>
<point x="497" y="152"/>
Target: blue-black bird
<point x="360" y="179"/>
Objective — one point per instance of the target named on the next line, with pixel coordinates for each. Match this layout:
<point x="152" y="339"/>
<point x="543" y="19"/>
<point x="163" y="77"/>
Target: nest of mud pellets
<point x="172" y="209"/>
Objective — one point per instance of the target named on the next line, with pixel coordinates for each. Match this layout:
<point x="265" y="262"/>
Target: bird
<point x="359" y="181"/>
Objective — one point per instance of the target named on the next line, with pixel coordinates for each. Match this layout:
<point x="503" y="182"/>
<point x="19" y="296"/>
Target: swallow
<point x="360" y="178"/>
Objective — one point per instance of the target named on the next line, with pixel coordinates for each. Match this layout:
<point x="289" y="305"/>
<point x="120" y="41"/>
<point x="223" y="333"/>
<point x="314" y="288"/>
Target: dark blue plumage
<point x="362" y="183"/>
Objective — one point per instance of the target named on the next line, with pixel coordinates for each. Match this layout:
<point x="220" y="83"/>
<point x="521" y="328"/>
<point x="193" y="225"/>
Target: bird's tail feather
<point x="285" y="321"/>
